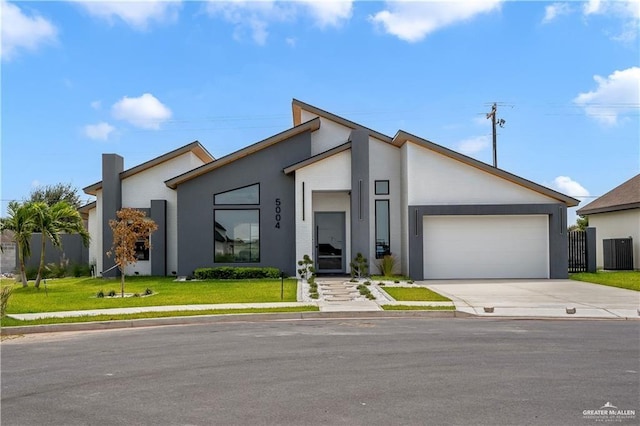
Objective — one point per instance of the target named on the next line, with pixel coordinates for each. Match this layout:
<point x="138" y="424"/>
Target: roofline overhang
<point x="403" y="137"/>
<point x="585" y="211"/>
<point x="195" y="147"/>
<point x="309" y="126"/>
<point x="297" y="107"/>
<point x="318" y="157"/>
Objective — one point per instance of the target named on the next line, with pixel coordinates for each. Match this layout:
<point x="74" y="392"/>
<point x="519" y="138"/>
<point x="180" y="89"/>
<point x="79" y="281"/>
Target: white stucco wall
<point x="96" y="239"/>
<point x="433" y="178"/>
<point x="138" y="191"/>
<point x="621" y="224"/>
<point x="385" y="163"/>
<point x="404" y="211"/>
<point x="92" y="225"/>
<point x="330" y="174"/>
<point x="329" y="135"/>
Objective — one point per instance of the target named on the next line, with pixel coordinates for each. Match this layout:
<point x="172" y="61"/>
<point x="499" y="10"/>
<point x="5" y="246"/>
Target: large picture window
<point x="236" y="236"/>
<point x="383" y="240"/>
<point x="245" y="195"/>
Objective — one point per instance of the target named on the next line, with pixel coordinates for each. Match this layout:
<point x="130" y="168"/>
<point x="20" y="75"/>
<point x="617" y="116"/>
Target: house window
<point x="383" y="240"/>
<point x="245" y="195"/>
<point x="382" y="187"/>
<point x="142" y="251"/>
<point x="236" y="236"/>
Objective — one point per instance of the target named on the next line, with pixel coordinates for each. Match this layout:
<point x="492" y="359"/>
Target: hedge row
<point x="235" y="273"/>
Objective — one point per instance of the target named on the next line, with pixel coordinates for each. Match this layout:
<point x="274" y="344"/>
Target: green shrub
<point x="31" y="272"/>
<point x="5" y="293"/>
<point x="386" y="265"/>
<point x="81" y="270"/>
<point x="359" y="266"/>
<point x="307" y="271"/>
<point x="235" y="273"/>
<point x="112" y="293"/>
<point x="148" y="292"/>
<point x="100" y="294"/>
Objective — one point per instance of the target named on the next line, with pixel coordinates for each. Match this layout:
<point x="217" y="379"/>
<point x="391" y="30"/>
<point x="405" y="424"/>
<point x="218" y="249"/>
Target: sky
<point x="139" y="79"/>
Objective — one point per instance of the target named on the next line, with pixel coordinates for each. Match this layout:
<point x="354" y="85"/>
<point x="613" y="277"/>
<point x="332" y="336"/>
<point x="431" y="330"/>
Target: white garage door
<point x="486" y="246"/>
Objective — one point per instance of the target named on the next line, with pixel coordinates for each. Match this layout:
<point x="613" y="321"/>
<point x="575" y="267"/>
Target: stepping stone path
<point x="338" y="291"/>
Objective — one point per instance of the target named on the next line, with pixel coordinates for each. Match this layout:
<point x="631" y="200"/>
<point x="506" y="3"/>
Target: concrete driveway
<point x="539" y="298"/>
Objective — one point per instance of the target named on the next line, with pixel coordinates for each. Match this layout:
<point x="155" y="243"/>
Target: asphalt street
<point x="329" y="372"/>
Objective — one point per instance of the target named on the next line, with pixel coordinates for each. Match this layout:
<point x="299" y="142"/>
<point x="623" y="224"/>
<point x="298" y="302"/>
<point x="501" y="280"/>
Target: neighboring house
<point x="331" y="188"/>
<point x="616" y="214"/>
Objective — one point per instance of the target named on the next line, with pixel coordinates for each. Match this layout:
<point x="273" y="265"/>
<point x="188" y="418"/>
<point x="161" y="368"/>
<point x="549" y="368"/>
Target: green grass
<point x="69" y="294"/>
<point x="417" y="308"/>
<point x="415" y="294"/>
<point x="391" y="278"/>
<point x="11" y="322"/>
<point x="623" y="279"/>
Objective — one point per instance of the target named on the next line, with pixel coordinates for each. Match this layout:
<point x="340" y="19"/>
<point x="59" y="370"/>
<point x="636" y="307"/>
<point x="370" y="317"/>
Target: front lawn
<point x="12" y="322"/>
<point x="623" y="279"/>
<point x="414" y="294"/>
<point x="70" y="294"/>
<point x="417" y="308"/>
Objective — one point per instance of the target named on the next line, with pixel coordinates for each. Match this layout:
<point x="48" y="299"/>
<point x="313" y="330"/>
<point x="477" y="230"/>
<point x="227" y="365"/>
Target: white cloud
<point x="96" y="104"/>
<point x="616" y="95"/>
<point x="413" y="21"/>
<point x="22" y="31"/>
<point x="329" y="13"/>
<point x="474" y="145"/>
<point x="255" y="17"/>
<point x="146" y="111"/>
<point x="98" y="131"/>
<point x="570" y="187"/>
<point x="35" y="183"/>
<point x="627" y="11"/>
<point x="552" y="11"/>
<point x="135" y="13"/>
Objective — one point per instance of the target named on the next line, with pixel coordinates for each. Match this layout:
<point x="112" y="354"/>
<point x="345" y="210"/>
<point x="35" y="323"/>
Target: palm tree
<point x="54" y="220"/>
<point x="20" y="222"/>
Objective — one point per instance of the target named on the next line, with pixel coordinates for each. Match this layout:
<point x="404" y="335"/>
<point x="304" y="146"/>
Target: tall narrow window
<point x="383" y="240"/>
<point x="236" y="236"/>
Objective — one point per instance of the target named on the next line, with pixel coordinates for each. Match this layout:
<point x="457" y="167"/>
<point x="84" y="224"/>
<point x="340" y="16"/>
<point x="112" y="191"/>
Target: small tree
<point x="130" y="227"/>
<point x="51" y="221"/>
<point x="359" y="266"/>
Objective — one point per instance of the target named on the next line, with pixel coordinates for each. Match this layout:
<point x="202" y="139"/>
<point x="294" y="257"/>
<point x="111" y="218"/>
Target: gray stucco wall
<point x="196" y="208"/>
<point x="158" y="253"/>
<point x="112" y="166"/>
<point x="360" y="195"/>
<point x="72" y="249"/>
<point x="558" y="249"/>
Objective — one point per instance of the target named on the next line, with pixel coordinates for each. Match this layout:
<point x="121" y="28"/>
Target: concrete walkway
<point x="538" y="298"/>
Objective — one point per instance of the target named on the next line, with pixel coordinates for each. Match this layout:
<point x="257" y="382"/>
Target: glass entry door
<point x="329" y="241"/>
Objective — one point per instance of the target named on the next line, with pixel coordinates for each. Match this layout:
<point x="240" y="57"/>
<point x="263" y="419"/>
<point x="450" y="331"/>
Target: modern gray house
<point x="330" y="188"/>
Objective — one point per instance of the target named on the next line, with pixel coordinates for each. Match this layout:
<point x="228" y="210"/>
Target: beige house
<point x="616" y="215"/>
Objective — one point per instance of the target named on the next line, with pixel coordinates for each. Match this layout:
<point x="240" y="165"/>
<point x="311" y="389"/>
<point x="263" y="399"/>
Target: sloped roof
<point x="403" y="137"/>
<point x="311" y="126"/>
<point x="318" y="157"/>
<point x="195" y="147"/>
<point x="297" y="107"/>
<point x="622" y="197"/>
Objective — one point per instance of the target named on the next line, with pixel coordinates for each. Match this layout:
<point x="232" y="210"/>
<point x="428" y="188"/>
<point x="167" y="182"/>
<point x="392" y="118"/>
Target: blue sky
<point x="139" y="79"/>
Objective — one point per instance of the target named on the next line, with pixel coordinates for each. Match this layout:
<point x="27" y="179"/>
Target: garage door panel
<point x="509" y="246"/>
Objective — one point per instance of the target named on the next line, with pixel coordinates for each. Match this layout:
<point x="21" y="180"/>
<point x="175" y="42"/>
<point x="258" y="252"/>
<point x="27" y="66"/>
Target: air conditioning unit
<point x="618" y="254"/>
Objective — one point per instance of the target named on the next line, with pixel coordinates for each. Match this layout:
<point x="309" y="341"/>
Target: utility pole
<point x="500" y="122"/>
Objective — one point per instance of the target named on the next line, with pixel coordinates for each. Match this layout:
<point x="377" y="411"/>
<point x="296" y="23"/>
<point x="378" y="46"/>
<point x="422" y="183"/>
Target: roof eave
<point x="402" y="137"/>
<point x="585" y="211"/>
<point x="309" y="126"/>
<point x="297" y="107"/>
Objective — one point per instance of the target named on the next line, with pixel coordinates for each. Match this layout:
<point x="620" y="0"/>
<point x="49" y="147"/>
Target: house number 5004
<point x="278" y="210"/>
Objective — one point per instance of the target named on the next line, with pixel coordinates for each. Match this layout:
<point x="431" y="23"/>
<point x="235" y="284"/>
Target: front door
<point x="329" y="242"/>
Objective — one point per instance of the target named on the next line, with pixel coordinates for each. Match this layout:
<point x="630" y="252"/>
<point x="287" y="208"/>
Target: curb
<point x="224" y="318"/>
